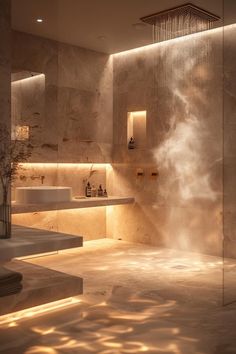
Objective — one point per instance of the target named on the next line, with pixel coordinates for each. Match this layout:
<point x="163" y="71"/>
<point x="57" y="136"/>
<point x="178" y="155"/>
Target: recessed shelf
<point x="136" y="129"/>
<point x="74" y="204"/>
<point x="20" y="132"/>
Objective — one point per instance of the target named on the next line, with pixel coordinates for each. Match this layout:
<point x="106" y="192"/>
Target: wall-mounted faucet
<point x="23" y="177"/>
<point x="38" y="177"/>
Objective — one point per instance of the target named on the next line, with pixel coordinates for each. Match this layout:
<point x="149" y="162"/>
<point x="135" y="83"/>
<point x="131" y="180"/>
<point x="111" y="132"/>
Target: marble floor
<point x="137" y="299"/>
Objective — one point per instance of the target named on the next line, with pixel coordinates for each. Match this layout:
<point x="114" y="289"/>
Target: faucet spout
<point x="38" y="177"/>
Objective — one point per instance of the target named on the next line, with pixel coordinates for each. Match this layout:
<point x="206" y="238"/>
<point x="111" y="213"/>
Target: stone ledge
<point x="27" y="241"/>
<point x="74" y="204"/>
<point x="40" y="286"/>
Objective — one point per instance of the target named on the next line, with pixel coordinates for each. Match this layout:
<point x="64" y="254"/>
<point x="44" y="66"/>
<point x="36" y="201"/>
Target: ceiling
<point x="108" y="26"/>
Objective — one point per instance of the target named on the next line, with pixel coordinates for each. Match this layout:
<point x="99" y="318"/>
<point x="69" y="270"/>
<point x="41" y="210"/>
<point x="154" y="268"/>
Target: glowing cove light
<point x="64" y="167"/>
<point x="11" y="319"/>
<point x="29" y="165"/>
<point x="175" y="40"/>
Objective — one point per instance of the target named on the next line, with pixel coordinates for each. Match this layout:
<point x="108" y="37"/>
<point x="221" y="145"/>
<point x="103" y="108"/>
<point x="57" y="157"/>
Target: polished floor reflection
<point x="137" y="299"/>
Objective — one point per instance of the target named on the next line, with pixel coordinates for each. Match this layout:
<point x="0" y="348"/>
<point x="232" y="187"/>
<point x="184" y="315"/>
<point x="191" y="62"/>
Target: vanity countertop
<point x="75" y="203"/>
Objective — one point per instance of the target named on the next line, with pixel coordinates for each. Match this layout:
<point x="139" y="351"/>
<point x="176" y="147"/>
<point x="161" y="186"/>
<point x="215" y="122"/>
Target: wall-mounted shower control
<point x="154" y="174"/>
<point x="140" y="172"/>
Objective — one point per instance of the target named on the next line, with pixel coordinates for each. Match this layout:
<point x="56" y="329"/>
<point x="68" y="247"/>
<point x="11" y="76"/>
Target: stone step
<point x="27" y="241"/>
<point x="40" y="286"/>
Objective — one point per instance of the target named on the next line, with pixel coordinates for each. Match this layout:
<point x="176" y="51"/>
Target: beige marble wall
<point x="69" y="112"/>
<point x="28" y="105"/>
<point x="75" y="124"/>
<point x="5" y="65"/>
<point x="88" y="223"/>
<point x="85" y="105"/>
<point x="5" y="60"/>
<point x="39" y="55"/>
<point x="229" y="142"/>
<point x="72" y="175"/>
<point x="179" y="84"/>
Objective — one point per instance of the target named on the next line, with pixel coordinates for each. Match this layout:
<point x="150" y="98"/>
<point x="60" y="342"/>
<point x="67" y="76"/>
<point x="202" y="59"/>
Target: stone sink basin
<point x="43" y="194"/>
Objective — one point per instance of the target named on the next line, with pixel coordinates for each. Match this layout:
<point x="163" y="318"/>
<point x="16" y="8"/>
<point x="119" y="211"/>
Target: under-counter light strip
<point x="174" y="40"/>
<point x="11" y="318"/>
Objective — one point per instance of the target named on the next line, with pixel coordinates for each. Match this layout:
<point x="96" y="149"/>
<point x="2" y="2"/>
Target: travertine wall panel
<point x="75" y="124"/>
<point x="5" y="60"/>
<point x="5" y="67"/>
<point x="81" y="222"/>
<point x="179" y="83"/>
<point x="229" y="171"/>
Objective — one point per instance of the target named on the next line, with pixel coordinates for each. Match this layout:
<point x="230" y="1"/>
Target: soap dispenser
<point x="131" y="144"/>
<point x="93" y="191"/>
<point x="88" y="190"/>
<point x="100" y="191"/>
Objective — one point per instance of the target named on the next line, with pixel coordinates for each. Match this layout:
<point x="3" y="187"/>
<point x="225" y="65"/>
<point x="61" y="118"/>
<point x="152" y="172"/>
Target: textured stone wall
<point x="75" y="122"/>
<point x="85" y="105"/>
<point x="179" y="83"/>
<point x="5" y="65"/>
<point x="229" y="143"/>
<point x="5" y="60"/>
<point x="229" y="167"/>
<point x="89" y="223"/>
<point x="74" y="175"/>
<point x="69" y="112"/>
<point x="39" y="55"/>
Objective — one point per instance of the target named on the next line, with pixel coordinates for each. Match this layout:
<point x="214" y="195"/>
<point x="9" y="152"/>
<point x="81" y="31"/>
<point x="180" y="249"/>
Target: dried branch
<point x="90" y="174"/>
<point x="12" y="154"/>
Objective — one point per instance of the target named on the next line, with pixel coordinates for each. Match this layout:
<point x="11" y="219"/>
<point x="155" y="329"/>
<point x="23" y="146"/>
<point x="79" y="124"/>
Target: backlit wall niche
<point x="20" y="132"/>
<point x="136" y="128"/>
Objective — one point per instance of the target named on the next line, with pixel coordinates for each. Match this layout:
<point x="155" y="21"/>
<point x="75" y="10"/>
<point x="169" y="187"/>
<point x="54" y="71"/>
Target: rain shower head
<point x="180" y="21"/>
<point x="180" y="10"/>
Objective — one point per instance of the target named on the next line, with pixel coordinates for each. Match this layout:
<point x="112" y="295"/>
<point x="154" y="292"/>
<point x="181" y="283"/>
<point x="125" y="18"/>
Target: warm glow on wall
<point x="28" y="79"/>
<point x="138" y="113"/>
<point x="29" y="165"/>
<point x="12" y="318"/>
<point x="136" y="127"/>
<point x="20" y="132"/>
<point x="175" y="40"/>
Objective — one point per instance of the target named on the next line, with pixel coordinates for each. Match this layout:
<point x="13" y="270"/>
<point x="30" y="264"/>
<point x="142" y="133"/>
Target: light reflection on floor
<point x="137" y="299"/>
